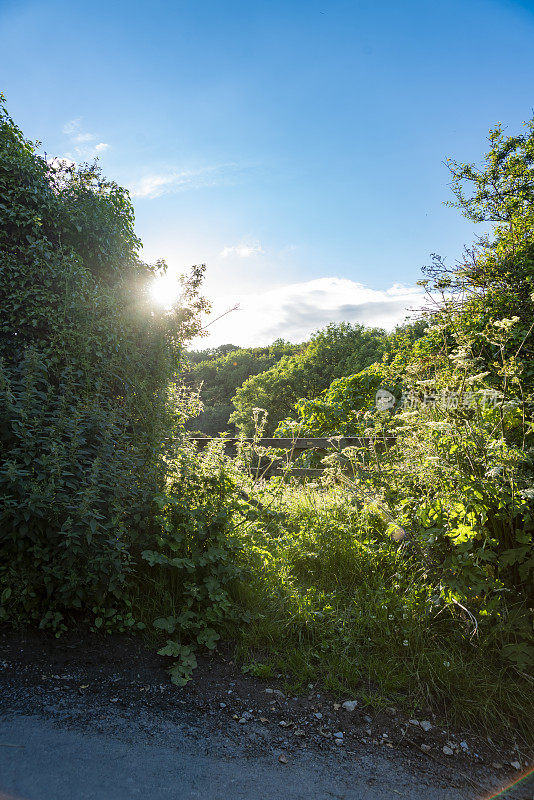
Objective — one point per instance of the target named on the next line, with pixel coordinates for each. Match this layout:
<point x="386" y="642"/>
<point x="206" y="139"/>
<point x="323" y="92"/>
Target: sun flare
<point x="165" y="290"/>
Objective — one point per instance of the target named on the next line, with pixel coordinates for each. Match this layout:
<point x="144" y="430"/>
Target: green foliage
<point x="64" y="484"/>
<point x="85" y="401"/>
<point x="193" y="560"/>
<point x="465" y="496"/>
<point x="195" y="357"/>
<point x="99" y="519"/>
<point x="484" y="348"/>
<point x="502" y="190"/>
<point x="339" y="349"/>
<point x="347" y="406"/>
<point x="219" y="373"/>
<point x="340" y="409"/>
<point x="222" y="375"/>
<point x="460" y="477"/>
<point x="334" y="599"/>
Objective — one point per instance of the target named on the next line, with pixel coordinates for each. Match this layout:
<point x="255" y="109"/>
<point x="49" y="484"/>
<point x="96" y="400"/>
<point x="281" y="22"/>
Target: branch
<point x="228" y="311"/>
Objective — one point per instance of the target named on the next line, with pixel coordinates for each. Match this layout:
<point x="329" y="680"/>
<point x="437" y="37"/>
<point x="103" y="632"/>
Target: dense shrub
<point x="335" y="600"/>
<point x="189" y="565"/>
<point x="65" y="482"/>
<point x="86" y="363"/>
<point x="460" y="479"/>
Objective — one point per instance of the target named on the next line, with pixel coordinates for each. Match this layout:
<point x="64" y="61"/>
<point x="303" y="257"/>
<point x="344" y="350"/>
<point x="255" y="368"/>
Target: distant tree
<point x="495" y="279"/>
<point x="221" y="373"/>
<point x="341" y="408"/>
<point x="210" y="353"/>
<point x="337" y="350"/>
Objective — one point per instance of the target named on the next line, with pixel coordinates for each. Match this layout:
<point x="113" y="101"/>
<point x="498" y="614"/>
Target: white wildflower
<point x="439" y="426"/>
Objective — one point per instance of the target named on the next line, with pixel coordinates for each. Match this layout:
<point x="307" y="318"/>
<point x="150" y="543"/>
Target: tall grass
<point x="334" y="599"/>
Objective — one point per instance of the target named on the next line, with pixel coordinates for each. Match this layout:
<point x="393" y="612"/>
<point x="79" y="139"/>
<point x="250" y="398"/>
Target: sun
<point x="165" y="290"/>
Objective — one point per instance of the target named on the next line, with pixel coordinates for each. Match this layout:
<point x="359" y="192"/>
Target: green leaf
<point x="166" y="624"/>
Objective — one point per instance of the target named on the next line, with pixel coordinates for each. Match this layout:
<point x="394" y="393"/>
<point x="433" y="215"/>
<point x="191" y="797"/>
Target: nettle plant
<point x="87" y="370"/>
<point x="192" y="562"/>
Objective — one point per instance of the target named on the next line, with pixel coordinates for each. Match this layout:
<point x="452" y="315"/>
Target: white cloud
<point x="72" y="126"/>
<point x="243" y="250"/>
<point x="152" y="186"/>
<point x="155" y="185"/>
<point x="80" y="138"/>
<point x="81" y="142"/>
<point x="293" y="312"/>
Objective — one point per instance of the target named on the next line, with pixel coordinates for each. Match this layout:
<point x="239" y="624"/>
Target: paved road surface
<point x="40" y="760"/>
<point x="97" y="719"/>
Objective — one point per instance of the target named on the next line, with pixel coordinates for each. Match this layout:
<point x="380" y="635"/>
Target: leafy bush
<point x="461" y="475"/>
<point x="465" y="496"/>
<point x="65" y="481"/>
<point x="192" y="559"/>
<point x="86" y="385"/>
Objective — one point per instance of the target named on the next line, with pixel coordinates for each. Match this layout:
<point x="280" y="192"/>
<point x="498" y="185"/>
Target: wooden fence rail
<point x="299" y="445"/>
<point x="321" y="443"/>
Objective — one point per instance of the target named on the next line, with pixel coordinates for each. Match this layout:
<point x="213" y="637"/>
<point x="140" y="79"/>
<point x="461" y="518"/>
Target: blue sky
<point x="295" y="147"/>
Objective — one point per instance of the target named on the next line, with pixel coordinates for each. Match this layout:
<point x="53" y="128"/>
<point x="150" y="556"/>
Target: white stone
<point x="350" y="705"/>
<point x="425" y="725"/>
<point x="448" y="751"/>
